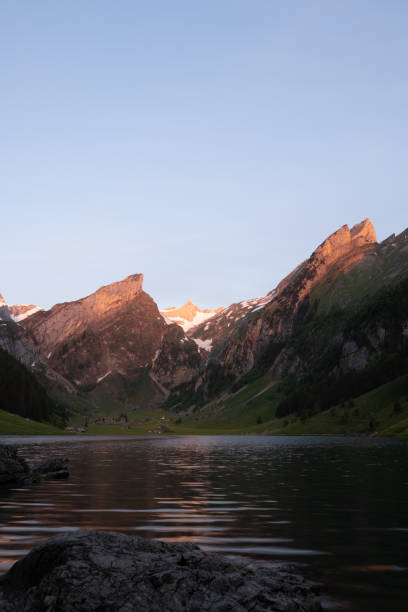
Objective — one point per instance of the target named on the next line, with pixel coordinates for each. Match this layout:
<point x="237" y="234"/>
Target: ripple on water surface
<point x="338" y="506"/>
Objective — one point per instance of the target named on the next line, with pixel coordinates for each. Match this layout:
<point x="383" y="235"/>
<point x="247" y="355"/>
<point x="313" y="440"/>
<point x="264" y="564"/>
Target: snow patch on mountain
<point x="199" y="318"/>
<point x="215" y="331"/>
<point x="203" y="344"/>
<point x="104" y="376"/>
<point x="28" y="313"/>
<point x="167" y="320"/>
<point x="241" y="309"/>
<point x="17" y="312"/>
<point x="188" y="315"/>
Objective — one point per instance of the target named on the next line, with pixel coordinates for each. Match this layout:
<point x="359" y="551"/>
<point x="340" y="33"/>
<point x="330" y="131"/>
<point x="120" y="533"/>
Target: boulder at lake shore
<point x="15" y="469"/>
<point x="106" y="571"/>
<point x="57" y="467"/>
<point x="12" y="467"/>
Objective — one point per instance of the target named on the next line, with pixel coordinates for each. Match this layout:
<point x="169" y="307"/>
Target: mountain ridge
<point x="116" y="347"/>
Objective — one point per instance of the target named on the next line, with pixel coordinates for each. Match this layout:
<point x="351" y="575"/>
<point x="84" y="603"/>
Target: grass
<point x="12" y="424"/>
<point x="380" y="412"/>
<point x="240" y="409"/>
<point x="113" y="397"/>
<point x="246" y="411"/>
<point x="251" y="410"/>
<point x="234" y="414"/>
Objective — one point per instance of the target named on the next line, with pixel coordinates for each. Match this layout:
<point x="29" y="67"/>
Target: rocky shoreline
<point x="15" y="469"/>
<point x="87" y="571"/>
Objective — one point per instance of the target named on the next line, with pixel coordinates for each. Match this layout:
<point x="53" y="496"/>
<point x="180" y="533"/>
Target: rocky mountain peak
<point x="126" y="288"/>
<point x="16" y="312"/>
<point x="19" y="312"/>
<point x="117" y="329"/>
<point x="189" y="315"/>
<point x="345" y="240"/>
<point x="114" y="294"/>
<point x="363" y="232"/>
<point x="187" y="311"/>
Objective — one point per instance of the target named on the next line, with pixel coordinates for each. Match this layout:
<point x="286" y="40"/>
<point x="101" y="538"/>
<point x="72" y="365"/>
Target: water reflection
<point x="338" y="506"/>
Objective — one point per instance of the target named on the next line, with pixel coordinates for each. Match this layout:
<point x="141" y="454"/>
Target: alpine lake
<point x="336" y="507"/>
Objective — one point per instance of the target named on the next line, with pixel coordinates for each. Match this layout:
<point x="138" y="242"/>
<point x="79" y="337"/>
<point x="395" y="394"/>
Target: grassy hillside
<point x="374" y="330"/>
<point x="12" y="424"/>
<point x="113" y="397"/>
<point x="383" y="267"/>
<point x="20" y="392"/>
<point x="380" y="412"/>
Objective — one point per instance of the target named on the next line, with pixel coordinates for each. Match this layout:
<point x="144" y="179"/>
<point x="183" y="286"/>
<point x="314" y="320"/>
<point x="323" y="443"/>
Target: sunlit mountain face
<point x="319" y="332"/>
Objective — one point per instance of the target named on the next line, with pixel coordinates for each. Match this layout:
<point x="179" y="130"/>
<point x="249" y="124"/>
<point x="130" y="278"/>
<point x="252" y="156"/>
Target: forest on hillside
<point x="20" y="392"/>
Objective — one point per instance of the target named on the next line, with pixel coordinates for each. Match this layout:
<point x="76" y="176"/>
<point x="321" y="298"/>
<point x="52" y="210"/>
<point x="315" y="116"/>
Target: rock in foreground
<point x="12" y="467"/>
<point x="106" y="571"/>
<point x="49" y="469"/>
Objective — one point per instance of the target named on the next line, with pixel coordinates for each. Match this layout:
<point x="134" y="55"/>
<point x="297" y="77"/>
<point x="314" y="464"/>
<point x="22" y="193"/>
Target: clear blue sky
<point x="209" y="144"/>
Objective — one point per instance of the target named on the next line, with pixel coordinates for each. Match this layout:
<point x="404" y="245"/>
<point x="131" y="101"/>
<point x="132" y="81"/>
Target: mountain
<point x="36" y="394"/>
<point x="213" y="332"/>
<point x="116" y="329"/>
<point x="20" y="391"/>
<point x="276" y="319"/>
<point x="114" y="344"/>
<point x="333" y="329"/>
<point x="17" y="312"/>
<point x="4" y="311"/>
<point x="338" y="252"/>
<point x="189" y="315"/>
<point x="331" y="332"/>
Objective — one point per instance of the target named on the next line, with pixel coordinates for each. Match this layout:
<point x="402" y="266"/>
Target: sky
<point x="209" y="145"/>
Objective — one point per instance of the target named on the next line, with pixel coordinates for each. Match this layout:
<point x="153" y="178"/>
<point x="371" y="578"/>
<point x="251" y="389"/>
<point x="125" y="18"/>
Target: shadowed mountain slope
<point x="333" y="329"/>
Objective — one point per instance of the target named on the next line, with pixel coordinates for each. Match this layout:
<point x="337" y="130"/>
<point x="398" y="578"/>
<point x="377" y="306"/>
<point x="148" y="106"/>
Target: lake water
<point x="337" y="506"/>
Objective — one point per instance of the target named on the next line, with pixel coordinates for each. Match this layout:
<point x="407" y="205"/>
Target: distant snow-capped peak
<point x="22" y="311"/>
<point x="18" y="312"/>
<point x="188" y="315"/>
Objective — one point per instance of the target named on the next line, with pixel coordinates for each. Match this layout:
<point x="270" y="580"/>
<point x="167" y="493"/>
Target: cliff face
<point x="116" y="330"/>
<point x="17" y="312"/>
<point x="177" y="361"/>
<point x="274" y="313"/>
<point x="272" y="322"/>
<point x="340" y="251"/>
<point x="12" y="342"/>
<point x="213" y="333"/>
